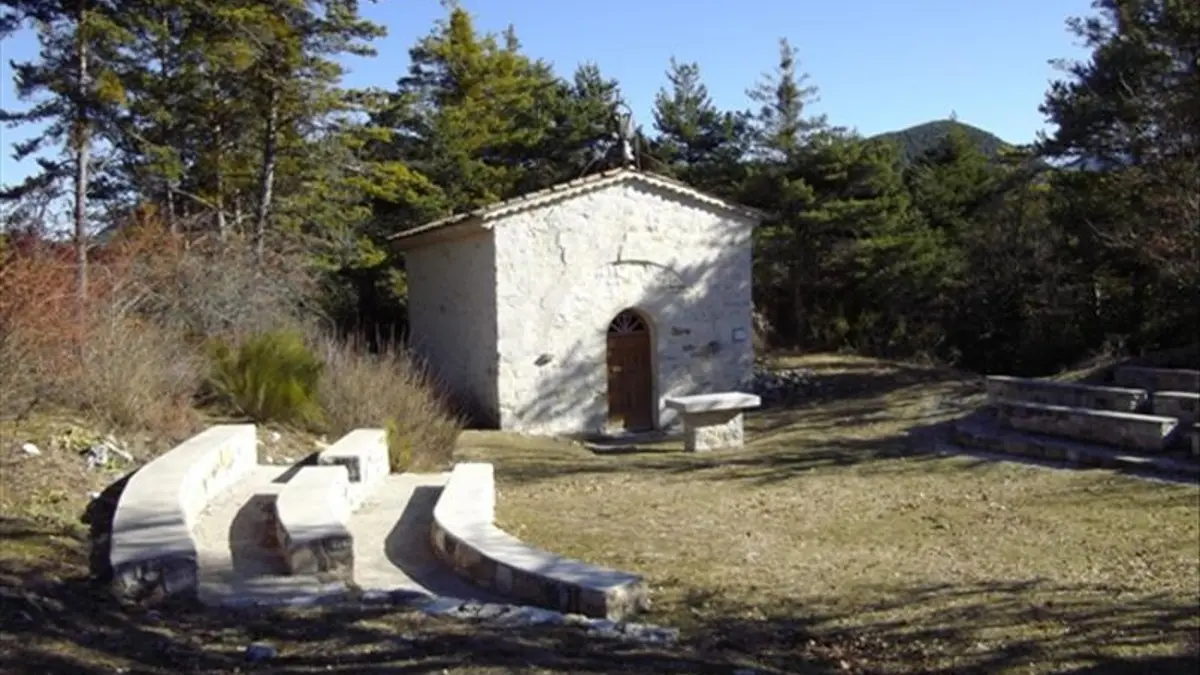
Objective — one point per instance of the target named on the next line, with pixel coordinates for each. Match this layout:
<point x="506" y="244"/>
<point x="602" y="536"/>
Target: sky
<point x="879" y="65"/>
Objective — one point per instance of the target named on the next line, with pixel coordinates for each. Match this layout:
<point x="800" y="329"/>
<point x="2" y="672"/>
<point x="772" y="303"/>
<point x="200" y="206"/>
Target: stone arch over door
<point x="630" y="364"/>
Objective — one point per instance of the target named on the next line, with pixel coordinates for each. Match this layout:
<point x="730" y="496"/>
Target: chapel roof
<point x="480" y="217"/>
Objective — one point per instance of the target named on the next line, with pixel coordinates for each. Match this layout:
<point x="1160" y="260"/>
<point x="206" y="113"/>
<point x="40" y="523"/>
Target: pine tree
<point x="1130" y="116"/>
<point x="696" y="142"/>
<point x="780" y="123"/>
<point x="75" y="93"/>
<point x="472" y="113"/>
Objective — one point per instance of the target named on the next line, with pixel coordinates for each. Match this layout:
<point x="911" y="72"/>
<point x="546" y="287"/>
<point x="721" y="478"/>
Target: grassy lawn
<point x="831" y="544"/>
<point x="834" y="525"/>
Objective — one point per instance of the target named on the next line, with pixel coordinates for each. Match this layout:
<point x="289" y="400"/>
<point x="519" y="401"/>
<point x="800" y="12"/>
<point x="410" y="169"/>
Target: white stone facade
<point x="452" y="317"/>
<point x="513" y="314"/>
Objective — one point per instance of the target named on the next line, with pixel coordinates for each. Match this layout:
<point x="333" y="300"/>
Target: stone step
<point x="1157" y="379"/>
<point x="1182" y="405"/>
<point x="993" y="439"/>
<point x="1049" y="392"/>
<point x="1147" y="433"/>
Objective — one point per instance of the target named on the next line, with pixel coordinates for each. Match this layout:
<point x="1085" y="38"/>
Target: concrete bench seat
<point x="310" y="515"/>
<point x="153" y="547"/>
<point x="1049" y="392"/>
<point x="465" y="537"/>
<point x="713" y="421"/>
<point x="1158" y="379"/>
<point x="1182" y="405"/>
<point x="1150" y="433"/>
<point x="364" y="453"/>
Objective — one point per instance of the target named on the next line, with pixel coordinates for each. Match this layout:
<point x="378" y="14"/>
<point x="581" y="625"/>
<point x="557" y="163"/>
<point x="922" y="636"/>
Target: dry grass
<point x="363" y="389"/>
<point x="827" y="546"/>
<point x="834" y="523"/>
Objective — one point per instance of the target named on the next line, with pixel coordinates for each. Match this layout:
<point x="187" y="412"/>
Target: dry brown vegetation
<point x="388" y="387"/>
<point x="134" y="357"/>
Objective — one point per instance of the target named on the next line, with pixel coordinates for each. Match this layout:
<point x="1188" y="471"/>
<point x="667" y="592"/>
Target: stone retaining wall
<point x="1158" y="379"/>
<point x="465" y="537"/>
<point x="1129" y="430"/>
<point x="1182" y="405"/>
<point x="310" y="516"/>
<point x="1049" y="392"/>
<point x="153" y="550"/>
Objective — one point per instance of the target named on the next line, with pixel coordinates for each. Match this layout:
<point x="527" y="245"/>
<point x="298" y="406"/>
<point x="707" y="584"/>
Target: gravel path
<point x="391" y="544"/>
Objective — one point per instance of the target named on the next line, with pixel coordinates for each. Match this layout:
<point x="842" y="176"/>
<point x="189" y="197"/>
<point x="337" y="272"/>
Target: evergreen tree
<point x="780" y="124"/>
<point x="76" y="93"/>
<point x="696" y="142"/>
<point x="1130" y="116"/>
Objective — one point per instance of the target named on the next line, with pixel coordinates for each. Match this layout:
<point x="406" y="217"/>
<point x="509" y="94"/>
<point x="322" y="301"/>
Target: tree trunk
<point x="266" y="184"/>
<point x="82" y="149"/>
<point x="172" y="223"/>
<point x="219" y="202"/>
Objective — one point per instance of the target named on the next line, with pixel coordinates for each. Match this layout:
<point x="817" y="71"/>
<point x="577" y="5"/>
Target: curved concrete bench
<point x="310" y="517"/>
<point x="364" y="453"/>
<point x="465" y="537"/>
<point x="153" y="548"/>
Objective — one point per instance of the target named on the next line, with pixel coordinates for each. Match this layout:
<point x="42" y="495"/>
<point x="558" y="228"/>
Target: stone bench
<point x="1049" y="392"/>
<point x="153" y="548"/>
<point x="364" y="453"/>
<point x="713" y="421"/>
<point x="310" y="515"/>
<point x="464" y="536"/>
<point x="1150" y="433"/>
<point x="1182" y="405"/>
<point x="1158" y="379"/>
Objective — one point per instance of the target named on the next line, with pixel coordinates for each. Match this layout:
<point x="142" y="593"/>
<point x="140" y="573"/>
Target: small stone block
<point x="704" y="432"/>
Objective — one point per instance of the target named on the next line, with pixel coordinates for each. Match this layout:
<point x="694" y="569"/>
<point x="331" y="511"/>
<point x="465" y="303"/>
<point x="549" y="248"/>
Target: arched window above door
<point x="627" y="322"/>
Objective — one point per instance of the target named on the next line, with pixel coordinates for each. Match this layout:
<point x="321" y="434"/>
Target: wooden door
<point x="630" y="373"/>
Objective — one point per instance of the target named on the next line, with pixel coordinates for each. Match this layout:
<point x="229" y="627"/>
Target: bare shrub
<point x="18" y="384"/>
<point x="211" y="288"/>
<point x="388" y="389"/>
<point x="130" y="374"/>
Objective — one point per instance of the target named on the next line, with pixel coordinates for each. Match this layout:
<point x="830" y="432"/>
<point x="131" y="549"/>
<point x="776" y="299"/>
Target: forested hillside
<point x="915" y="141"/>
<point x="228" y="124"/>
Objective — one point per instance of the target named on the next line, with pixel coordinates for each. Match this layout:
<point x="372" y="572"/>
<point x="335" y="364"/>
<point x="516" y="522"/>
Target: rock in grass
<point x="260" y="651"/>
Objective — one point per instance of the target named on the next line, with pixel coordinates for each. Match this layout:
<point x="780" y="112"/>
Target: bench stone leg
<point x="715" y="430"/>
<point x="331" y="555"/>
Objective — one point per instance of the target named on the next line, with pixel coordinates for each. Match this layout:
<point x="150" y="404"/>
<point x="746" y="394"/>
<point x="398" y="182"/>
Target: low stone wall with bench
<point x="1129" y="430"/>
<point x="713" y="421"/>
<point x="364" y="453"/>
<point x="465" y="537"/>
<point x="1049" y="392"/>
<point x="153" y="548"/>
<point x="310" y="515"/>
<point x="1158" y="379"/>
<point x="1182" y="405"/>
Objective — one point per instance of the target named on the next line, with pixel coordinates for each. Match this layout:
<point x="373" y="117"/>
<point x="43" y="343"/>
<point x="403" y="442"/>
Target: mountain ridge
<point x="917" y="139"/>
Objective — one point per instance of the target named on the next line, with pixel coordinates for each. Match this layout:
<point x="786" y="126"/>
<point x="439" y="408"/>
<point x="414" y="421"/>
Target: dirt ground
<point x="834" y="543"/>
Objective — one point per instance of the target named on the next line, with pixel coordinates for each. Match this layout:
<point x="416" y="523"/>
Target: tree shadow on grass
<point x="55" y="622"/>
<point x="779" y="453"/>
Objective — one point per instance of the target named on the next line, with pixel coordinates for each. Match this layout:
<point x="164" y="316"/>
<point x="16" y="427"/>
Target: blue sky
<point x="879" y="64"/>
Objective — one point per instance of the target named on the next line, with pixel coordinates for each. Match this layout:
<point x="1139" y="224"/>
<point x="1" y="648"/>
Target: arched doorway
<point x="630" y="373"/>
